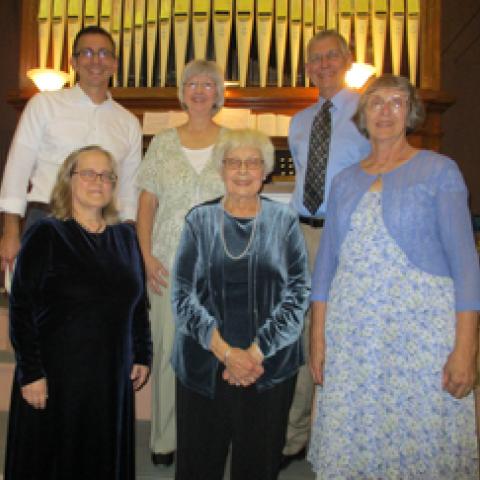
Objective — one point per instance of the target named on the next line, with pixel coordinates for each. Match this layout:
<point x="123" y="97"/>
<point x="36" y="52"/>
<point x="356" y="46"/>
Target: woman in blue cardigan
<point x="396" y="291"/>
<point x="240" y="291"/>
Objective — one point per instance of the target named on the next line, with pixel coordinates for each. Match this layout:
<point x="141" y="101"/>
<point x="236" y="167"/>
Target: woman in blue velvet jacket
<point x="240" y="291"/>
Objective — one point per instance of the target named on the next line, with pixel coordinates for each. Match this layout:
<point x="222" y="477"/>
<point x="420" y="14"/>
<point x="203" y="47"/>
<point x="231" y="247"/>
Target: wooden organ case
<point x="401" y="36"/>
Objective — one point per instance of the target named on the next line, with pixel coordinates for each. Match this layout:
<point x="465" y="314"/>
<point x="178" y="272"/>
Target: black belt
<point x="312" y="221"/>
<point x="39" y="206"/>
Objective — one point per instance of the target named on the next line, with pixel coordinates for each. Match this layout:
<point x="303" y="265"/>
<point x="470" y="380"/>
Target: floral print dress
<point x="382" y="413"/>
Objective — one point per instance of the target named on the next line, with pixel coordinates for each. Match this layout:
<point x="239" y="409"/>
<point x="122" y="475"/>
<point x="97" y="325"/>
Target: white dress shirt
<point x="52" y="125"/>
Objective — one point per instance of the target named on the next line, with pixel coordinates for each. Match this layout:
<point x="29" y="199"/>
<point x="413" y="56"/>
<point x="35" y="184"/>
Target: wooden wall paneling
<point x="281" y="100"/>
<point x="28" y="57"/>
<point x="430" y="44"/>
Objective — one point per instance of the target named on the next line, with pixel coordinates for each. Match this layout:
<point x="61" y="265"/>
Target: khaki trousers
<point x="298" y="429"/>
<point x="163" y="432"/>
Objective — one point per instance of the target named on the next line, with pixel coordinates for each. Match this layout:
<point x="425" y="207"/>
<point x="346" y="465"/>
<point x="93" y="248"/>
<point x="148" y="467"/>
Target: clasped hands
<point x="243" y="367"/>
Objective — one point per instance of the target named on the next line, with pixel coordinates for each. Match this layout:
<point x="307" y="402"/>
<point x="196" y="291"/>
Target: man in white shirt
<point x="54" y="124"/>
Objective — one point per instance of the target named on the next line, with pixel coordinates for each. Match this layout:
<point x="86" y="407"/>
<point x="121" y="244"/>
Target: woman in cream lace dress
<point x="176" y="174"/>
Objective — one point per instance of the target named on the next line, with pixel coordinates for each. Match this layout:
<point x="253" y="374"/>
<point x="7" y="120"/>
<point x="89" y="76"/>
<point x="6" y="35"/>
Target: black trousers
<point x="253" y="423"/>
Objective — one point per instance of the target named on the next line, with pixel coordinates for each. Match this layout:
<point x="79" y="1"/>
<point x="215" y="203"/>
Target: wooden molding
<point x="282" y="100"/>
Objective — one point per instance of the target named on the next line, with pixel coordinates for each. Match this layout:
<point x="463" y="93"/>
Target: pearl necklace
<point x="250" y="240"/>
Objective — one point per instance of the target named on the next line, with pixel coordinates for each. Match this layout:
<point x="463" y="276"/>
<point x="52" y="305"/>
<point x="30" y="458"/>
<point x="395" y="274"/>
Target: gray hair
<point x="211" y="70"/>
<point x="322" y="35"/>
<point x="416" y="110"/>
<point x="232" y="139"/>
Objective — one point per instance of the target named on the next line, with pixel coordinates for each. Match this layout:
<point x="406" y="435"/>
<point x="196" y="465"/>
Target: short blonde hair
<point x="61" y="198"/>
<point x="232" y="139"/>
<point x="416" y="111"/>
<point x="211" y="70"/>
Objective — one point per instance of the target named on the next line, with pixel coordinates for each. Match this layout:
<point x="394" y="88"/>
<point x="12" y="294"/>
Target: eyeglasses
<point x="91" y="176"/>
<point x="197" y="85"/>
<point x="330" y="55"/>
<point x="376" y="103"/>
<point x="89" y="54"/>
<point x="250" y="163"/>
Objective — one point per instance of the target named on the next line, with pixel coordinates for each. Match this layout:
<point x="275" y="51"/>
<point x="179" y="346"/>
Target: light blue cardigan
<point x="425" y="210"/>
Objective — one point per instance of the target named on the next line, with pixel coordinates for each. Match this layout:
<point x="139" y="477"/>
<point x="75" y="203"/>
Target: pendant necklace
<point x="250" y="240"/>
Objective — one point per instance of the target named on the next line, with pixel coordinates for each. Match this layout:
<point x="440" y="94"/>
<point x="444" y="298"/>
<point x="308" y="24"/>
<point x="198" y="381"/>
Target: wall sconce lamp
<point x="47" y="78"/>
<point x="358" y="75"/>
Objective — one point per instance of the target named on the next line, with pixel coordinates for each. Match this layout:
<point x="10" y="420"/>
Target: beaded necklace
<point x="250" y="240"/>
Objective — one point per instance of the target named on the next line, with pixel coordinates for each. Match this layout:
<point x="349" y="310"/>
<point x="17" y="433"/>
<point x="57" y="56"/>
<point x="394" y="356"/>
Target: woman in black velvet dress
<point x="80" y="331"/>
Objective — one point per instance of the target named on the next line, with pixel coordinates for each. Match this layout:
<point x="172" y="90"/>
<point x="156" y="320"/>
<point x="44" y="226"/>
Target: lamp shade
<point x="358" y="74"/>
<point x="47" y="78"/>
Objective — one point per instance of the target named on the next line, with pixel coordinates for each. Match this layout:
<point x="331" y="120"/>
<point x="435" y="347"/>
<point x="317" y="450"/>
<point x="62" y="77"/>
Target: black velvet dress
<point x="78" y="318"/>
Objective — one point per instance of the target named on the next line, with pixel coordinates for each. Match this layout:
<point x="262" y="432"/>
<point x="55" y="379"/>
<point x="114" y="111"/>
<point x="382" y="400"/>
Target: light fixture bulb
<point x="47" y="78"/>
<point x="358" y="74"/>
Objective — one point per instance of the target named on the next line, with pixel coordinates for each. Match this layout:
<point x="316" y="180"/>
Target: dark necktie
<point x="314" y="188"/>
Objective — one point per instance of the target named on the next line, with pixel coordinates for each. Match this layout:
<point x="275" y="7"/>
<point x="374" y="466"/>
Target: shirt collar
<point x="338" y="100"/>
<point x="80" y="96"/>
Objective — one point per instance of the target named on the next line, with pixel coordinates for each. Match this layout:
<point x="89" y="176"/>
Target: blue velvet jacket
<point x="279" y="289"/>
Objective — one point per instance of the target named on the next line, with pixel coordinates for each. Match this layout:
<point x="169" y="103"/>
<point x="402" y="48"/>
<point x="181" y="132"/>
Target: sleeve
<point x="291" y="135"/>
<point x="285" y="323"/>
<point x="291" y="129"/>
<point x="142" y="338"/>
<point x="127" y="189"/>
<point x="22" y="156"/>
<point x="326" y="261"/>
<point x="147" y="173"/>
<point x="456" y="234"/>
<point x="24" y="303"/>
<point x="188" y="282"/>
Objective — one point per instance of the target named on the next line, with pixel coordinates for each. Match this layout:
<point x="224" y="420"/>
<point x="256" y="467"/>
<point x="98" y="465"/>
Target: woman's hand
<point x="36" y="393"/>
<point x="156" y="274"/>
<point x="256" y="353"/>
<point x="242" y="367"/>
<point x="459" y="373"/>
<point x="139" y="376"/>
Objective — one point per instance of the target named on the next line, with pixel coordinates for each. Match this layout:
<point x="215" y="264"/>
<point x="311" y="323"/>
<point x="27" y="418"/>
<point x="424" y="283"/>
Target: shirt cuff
<point x="13" y="205"/>
<point x="128" y="212"/>
<point x="318" y="297"/>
